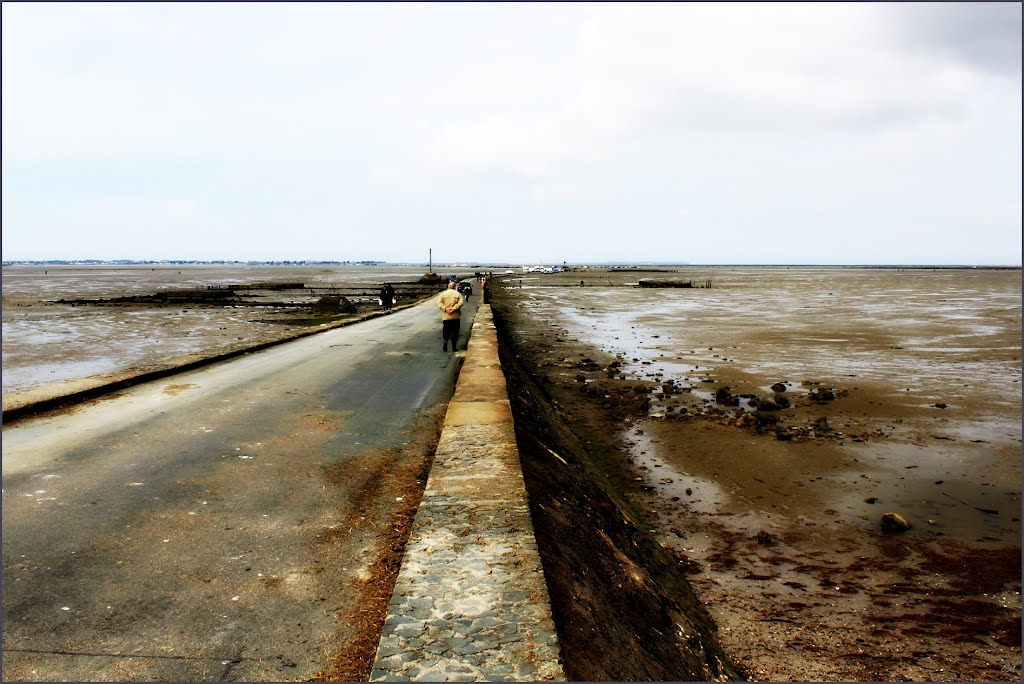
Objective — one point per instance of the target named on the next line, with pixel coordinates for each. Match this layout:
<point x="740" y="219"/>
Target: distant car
<point x="466" y="289"/>
<point x="509" y="273"/>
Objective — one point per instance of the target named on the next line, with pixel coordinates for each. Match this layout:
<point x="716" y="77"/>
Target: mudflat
<point x="764" y="421"/>
<point x="71" y="327"/>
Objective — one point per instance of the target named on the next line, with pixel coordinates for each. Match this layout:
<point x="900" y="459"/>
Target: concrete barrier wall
<point x="470" y="602"/>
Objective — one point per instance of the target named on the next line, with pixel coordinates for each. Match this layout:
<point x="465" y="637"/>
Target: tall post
<point x="430" y="260"/>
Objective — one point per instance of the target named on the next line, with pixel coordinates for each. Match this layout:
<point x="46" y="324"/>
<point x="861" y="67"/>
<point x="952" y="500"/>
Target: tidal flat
<point x="765" y="424"/>
<point x="50" y="340"/>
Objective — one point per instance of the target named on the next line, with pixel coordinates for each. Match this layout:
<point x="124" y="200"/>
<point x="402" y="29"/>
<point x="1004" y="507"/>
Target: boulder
<point x="778" y="388"/>
<point x="894" y="522"/>
<point x="335" y="303"/>
<point x="724" y="396"/>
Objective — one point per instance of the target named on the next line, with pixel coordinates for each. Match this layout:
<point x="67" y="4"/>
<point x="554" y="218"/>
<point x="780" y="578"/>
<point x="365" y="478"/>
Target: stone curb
<point x="470" y="602"/>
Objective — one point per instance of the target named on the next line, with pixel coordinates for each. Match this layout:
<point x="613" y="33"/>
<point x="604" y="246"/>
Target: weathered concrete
<point x="470" y="602"/>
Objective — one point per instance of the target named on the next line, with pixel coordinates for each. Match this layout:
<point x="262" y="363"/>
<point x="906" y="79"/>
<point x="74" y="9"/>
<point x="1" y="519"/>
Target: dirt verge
<point x="405" y="472"/>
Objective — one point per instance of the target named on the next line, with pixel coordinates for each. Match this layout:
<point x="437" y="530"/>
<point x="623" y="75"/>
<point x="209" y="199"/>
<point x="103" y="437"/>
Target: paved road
<point x="220" y="524"/>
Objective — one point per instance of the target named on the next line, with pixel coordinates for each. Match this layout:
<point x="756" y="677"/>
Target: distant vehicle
<point x="509" y="272"/>
<point x="465" y="288"/>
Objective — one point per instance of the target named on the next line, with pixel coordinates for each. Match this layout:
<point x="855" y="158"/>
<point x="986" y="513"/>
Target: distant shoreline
<point x="612" y="265"/>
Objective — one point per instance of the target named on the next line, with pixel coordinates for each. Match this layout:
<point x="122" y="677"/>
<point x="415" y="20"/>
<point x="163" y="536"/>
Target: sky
<point x="522" y="133"/>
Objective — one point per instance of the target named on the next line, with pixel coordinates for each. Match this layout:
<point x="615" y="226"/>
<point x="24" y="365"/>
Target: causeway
<point x="470" y="602"/>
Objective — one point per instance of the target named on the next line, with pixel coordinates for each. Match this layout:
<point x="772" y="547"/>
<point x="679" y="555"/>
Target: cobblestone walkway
<point x="470" y="602"/>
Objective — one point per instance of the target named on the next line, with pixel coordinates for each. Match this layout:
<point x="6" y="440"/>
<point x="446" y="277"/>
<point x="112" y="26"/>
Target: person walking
<point x="387" y="296"/>
<point x="450" y="302"/>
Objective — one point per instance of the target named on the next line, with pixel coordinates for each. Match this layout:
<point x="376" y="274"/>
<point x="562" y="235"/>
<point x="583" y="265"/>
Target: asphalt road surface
<point x="219" y="524"/>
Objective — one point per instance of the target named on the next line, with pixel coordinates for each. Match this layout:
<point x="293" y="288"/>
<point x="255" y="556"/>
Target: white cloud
<point x="560" y="115"/>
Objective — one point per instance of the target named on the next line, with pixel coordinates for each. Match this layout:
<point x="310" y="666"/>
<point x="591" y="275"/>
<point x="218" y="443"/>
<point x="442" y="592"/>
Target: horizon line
<point x="463" y="263"/>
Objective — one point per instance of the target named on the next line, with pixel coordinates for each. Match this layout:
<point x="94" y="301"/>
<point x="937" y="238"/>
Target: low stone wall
<point x="470" y="602"/>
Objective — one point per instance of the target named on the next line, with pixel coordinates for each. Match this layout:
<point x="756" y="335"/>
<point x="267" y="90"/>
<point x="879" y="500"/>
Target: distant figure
<point x="387" y="296"/>
<point x="450" y="302"/>
<point x="581" y="283"/>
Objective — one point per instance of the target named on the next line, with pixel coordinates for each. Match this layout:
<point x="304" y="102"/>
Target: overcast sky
<point x="766" y="133"/>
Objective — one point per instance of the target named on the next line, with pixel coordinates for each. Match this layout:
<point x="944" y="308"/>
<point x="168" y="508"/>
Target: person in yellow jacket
<point x="450" y="302"/>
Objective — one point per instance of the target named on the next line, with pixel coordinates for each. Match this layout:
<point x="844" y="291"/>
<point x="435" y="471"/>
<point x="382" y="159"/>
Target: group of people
<point x="450" y="303"/>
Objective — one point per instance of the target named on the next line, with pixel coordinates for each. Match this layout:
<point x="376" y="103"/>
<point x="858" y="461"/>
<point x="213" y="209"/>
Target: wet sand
<point x="51" y="347"/>
<point x="905" y="397"/>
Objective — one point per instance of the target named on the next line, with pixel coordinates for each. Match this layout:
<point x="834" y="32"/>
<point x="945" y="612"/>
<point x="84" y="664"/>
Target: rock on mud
<point x="894" y="522"/>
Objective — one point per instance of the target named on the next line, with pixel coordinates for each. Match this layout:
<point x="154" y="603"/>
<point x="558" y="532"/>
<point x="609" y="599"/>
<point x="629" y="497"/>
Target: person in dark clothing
<point x="387" y="296"/>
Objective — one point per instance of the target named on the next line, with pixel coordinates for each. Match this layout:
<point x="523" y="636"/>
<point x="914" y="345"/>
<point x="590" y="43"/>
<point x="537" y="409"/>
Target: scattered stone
<point x="778" y="388"/>
<point x="724" y="396"/>
<point x="764" y="538"/>
<point x="894" y="522"/>
<point x="940" y="405"/>
<point x="871" y="500"/>
<point x="745" y="420"/>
